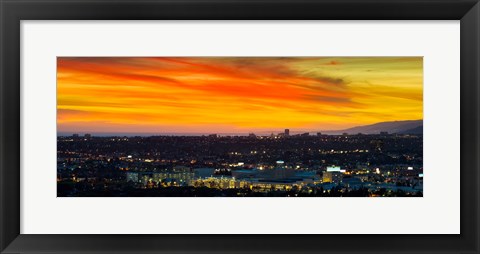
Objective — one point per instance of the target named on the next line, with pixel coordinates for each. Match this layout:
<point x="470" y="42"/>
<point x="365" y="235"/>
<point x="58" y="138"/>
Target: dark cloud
<point x="329" y="99"/>
<point x="339" y="81"/>
<point x="331" y="80"/>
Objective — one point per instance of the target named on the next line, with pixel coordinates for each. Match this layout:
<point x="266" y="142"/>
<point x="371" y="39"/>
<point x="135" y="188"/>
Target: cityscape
<point x="239" y="127"/>
<point x="279" y="165"/>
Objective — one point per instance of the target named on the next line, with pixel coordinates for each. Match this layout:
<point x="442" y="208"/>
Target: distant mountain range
<point x="400" y="127"/>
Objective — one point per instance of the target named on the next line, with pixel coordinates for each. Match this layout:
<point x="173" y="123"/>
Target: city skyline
<point x="263" y="133"/>
<point x="374" y="165"/>
<point x="234" y="95"/>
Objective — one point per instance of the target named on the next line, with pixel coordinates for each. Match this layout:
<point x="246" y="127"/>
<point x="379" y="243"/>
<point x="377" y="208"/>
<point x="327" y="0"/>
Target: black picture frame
<point x="13" y="11"/>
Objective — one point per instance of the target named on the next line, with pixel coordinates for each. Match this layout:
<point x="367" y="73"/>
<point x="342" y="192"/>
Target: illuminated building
<point x="279" y="185"/>
<point x="287" y="132"/>
<point x="241" y="184"/>
<point x="216" y="182"/>
<point x="332" y="177"/>
<point x="180" y="178"/>
<point x="144" y="178"/>
<point x="327" y="177"/>
<point x="132" y="176"/>
<point x="333" y="169"/>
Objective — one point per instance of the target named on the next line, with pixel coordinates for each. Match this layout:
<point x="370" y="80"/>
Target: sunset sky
<point x="234" y="94"/>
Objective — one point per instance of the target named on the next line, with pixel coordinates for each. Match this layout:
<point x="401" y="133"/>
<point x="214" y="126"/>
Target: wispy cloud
<point x="221" y="94"/>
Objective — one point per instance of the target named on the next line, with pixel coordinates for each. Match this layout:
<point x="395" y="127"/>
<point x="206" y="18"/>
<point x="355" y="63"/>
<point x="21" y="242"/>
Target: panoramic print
<point x="240" y="127"/>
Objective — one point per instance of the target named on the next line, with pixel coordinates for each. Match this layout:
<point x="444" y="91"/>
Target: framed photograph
<point x="239" y="126"/>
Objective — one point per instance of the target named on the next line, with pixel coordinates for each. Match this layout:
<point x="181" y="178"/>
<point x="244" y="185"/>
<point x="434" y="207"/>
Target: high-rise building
<point x="287" y="132"/>
<point x="332" y="177"/>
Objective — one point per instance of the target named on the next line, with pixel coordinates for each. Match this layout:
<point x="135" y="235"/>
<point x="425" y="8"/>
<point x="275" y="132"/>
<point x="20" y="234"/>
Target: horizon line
<point x="257" y="133"/>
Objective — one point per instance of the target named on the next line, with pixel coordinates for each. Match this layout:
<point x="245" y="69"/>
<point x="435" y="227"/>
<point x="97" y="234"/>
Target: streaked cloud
<point x="235" y="94"/>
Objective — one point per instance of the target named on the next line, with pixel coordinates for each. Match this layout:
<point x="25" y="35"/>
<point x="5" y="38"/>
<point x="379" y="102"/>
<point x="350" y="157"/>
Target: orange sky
<point x="234" y="94"/>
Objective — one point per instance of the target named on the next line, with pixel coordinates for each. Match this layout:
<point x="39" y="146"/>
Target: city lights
<point x="288" y="166"/>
